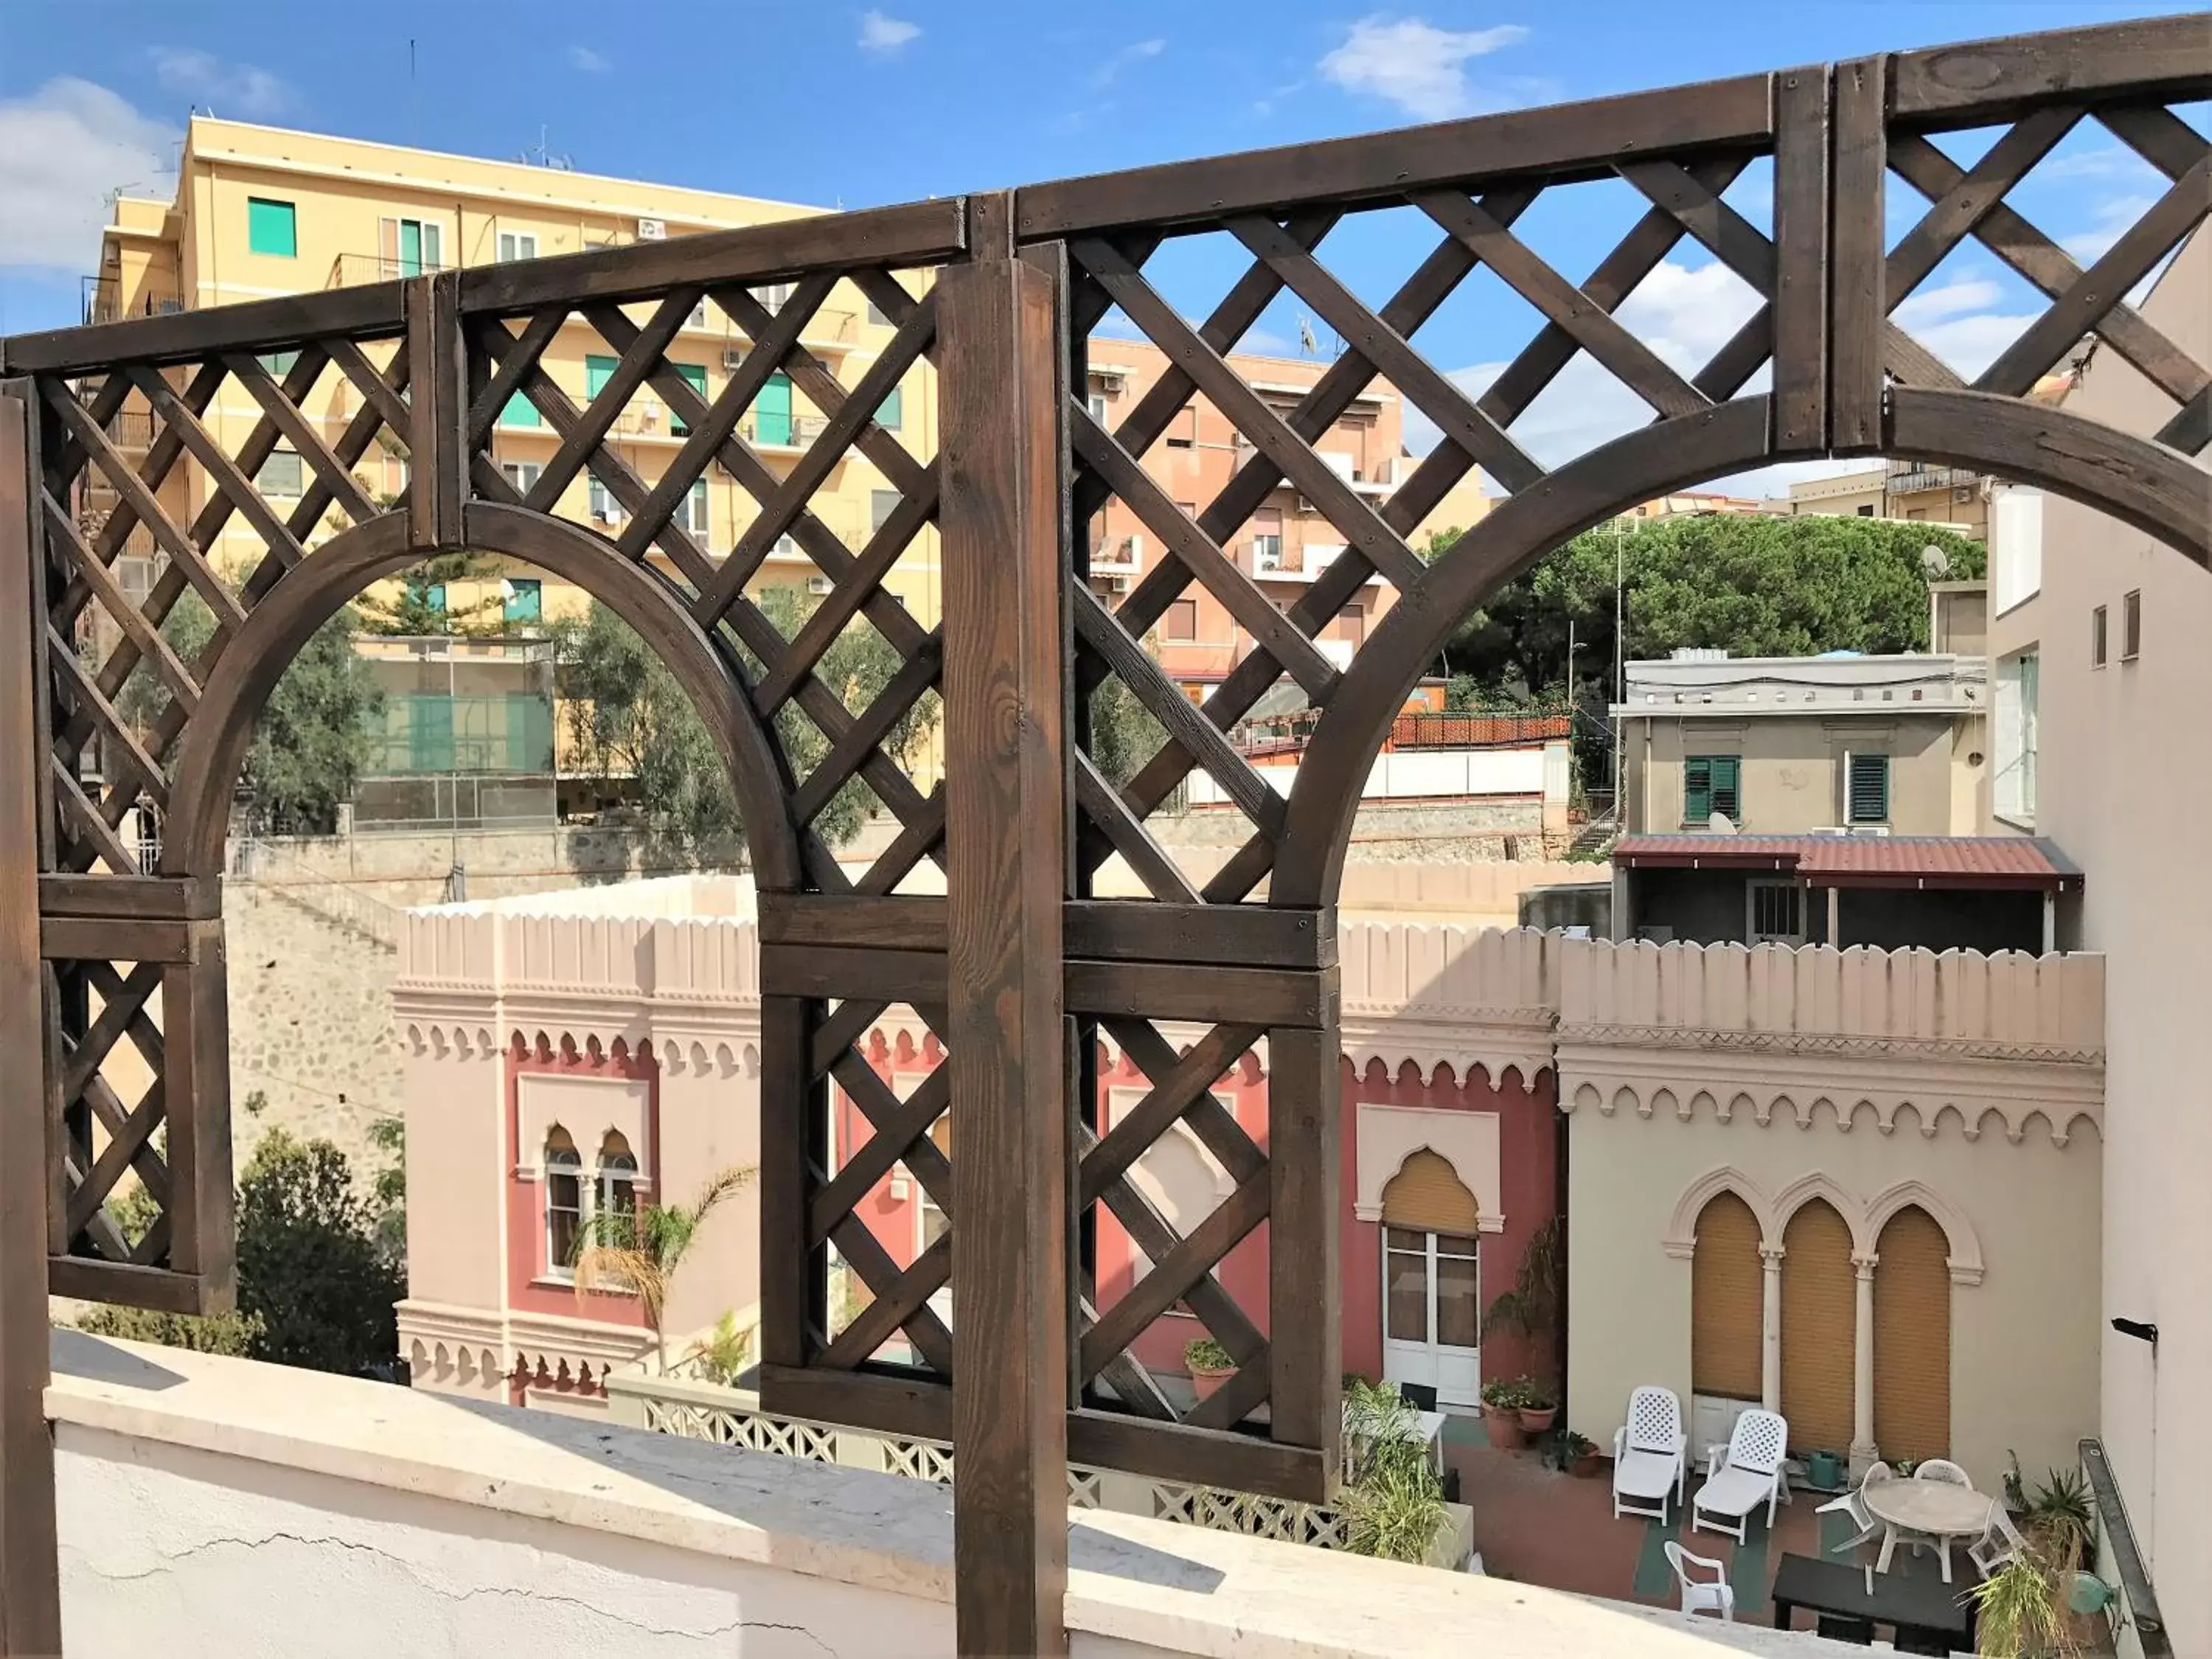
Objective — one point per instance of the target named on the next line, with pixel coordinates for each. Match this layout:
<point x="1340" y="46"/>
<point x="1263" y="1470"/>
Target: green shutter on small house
<point x="892" y="414"/>
<point x="1727" y="796"/>
<point x="1867" y="788"/>
<point x="1710" y="785"/>
<point x="696" y="374"/>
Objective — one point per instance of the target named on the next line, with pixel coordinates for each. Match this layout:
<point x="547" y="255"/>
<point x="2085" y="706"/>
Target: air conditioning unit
<point x="733" y="358"/>
<point x="1829" y="829"/>
<point x="819" y="584"/>
<point x="1868" y="829"/>
<point x="1117" y="584"/>
<point x="652" y="230"/>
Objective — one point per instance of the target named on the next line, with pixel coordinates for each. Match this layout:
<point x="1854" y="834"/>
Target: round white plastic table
<point x="1933" y="1509"/>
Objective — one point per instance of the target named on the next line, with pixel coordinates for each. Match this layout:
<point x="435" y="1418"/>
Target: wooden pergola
<point x="1018" y="967"/>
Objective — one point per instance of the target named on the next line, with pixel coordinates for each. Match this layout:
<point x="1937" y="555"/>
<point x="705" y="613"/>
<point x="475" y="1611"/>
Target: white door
<point x="1432" y="1314"/>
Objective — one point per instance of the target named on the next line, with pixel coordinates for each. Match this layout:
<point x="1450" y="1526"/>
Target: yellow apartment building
<point x="262" y="211"/>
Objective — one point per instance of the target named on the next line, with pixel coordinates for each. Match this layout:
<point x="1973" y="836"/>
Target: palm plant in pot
<point x="1532" y="1308"/>
<point x="1209" y="1363"/>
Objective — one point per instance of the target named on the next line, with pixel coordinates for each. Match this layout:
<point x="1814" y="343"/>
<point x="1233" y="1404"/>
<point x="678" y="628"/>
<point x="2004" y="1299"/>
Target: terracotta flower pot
<point x="1535" y="1420"/>
<point x="1206" y="1381"/>
<point x="1588" y="1466"/>
<point x="1503" y="1427"/>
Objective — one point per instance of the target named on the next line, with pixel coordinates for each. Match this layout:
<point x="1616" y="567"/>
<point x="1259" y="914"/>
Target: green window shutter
<point x="597" y="371"/>
<point x="520" y="411"/>
<point x="1727" y="798"/>
<point x="525" y="601"/>
<point x="1868" y="789"/>
<point x="410" y="247"/>
<point x="272" y="227"/>
<point x="279" y="363"/>
<point x="696" y="374"/>
<point x="892" y="414"/>
<point x="772" y="411"/>
<point x="1697" y="789"/>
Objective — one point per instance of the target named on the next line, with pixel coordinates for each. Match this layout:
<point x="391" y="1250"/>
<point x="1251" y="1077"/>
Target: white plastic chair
<point x="2001" y="1544"/>
<point x="1697" y="1596"/>
<point x="1650" y="1454"/>
<point x="1942" y="1468"/>
<point x="1853" y="1504"/>
<point x="1751" y="1476"/>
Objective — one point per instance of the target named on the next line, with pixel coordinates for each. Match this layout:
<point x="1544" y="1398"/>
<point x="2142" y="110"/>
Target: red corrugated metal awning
<point x="1995" y="862"/>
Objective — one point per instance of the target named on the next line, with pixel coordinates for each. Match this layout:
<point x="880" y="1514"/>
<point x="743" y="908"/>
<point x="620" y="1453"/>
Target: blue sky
<point x="835" y="103"/>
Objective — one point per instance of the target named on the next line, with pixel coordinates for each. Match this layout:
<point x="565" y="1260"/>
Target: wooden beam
<point x="1005" y="834"/>
<point x="1857" y="237"/>
<point x="1980" y="83"/>
<point x="370" y="312"/>
<point x="142" y="898"/>
<point x="1801" y="260"/>
<point x="30" y="1591"/>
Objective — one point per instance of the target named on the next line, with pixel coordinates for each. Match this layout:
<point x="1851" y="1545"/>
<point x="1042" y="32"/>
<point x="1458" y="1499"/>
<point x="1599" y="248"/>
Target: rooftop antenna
<point x="414" y="103"/>
<point x="1307" y="344"/>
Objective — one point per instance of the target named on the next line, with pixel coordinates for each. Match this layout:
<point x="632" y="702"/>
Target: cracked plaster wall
<point x="200" y="1554"/>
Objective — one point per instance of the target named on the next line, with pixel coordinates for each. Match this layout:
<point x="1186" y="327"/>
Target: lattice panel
<point x="173" y="500"/>
<point x="739" y="440"/>
<point x="1177" y="1183"/>
<point x="1964" y="223"/>
<point x="1139" y="437"/>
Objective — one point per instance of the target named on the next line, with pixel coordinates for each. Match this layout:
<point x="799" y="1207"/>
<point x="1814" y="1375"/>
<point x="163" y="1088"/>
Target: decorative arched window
<point x="1912" y="1337"/>
<point x="1820" y="1310"/>
<point x="1727" y="1299"/>
<point x="564" y="1201"/>
<point x="616" y="1186"/>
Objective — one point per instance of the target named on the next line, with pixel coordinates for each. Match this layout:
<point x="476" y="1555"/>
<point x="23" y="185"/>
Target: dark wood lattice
<point x="106" y="447"/>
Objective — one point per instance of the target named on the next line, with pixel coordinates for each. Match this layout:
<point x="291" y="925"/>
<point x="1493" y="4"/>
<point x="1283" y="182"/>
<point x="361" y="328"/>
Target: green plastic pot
<point x="2087" y="1593"/>
<point x="1824" y="1470"/>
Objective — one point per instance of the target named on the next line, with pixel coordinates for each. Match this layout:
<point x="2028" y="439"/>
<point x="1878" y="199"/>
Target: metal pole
<point x="1619" y="672"/>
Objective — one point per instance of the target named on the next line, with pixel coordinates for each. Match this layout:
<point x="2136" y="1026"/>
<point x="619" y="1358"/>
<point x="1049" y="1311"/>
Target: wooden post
<point x="1005" y="834"/>
<point x="30" y="1590"/>
<point x="1800" y="261"/>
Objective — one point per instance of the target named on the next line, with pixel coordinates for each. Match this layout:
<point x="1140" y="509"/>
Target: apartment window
<point x="604" y="507"/>
<point x="2097" y="637"/>
<point x="876" y="318"/>
<point x="1098" y="405"/>
<point x="2131" y="625"/>
<point x="1866" y="788"/>
<point x="272" y="227"/>
<point x="526" y="601"/>
<point x="517" y="245"/>
<point x="774" y="296"/>
<point x="1180" y="622"/>
<point x="1915" y="514"/>
<point x="694" y="376"/>
<point x="1867" y="510"/>
<point x="597" y="371"/>
<point x="1711" y="784"/>
<point x="279" y="363"/>
<point x="523" y="475"/>
<point x="563" y="1170"/>
<point x="615" y="1191"/>
<point x="408" y="247"/>
<point x="1268" y="538"/>
<point x="772" y="411"/>
<point x="433" y="598"/>
<point x="882" y="503"/>
<point x="1184" y="433"/>
<point x="520" y="411"/>
<point x="1351" y="624"/>
<point x="281" y="474"/>
<point x="691" y="512"/>
<point x="2013" y="784"/>
<point x="892" y="414"/>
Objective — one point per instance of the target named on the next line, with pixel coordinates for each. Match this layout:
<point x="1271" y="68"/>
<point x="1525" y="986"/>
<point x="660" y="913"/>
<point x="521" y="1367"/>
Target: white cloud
<point x="1134" y="53"/>
<point x="237" y="89"/>
<point x="2111" y="161"/>
<point x="885" y="36"/>
<point x="2114" y="215"/>
<point x="63" y="148"/>
<point x="1415" y="65"/>
<point x="592" y="63"/>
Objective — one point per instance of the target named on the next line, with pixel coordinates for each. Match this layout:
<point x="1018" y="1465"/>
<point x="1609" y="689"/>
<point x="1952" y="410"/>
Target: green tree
<point x="312" y="1269"/>
<point x="424" y="602"/>
<point x="640" y="1250"/>
<point x="316" y="1278"/>
<point x="316" y="734"/>
<point x="1124" y="734"/>
<point x="1754" y="584"/>
<point x="633" y="724"/>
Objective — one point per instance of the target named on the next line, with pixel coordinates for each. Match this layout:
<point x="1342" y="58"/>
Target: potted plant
<point x="1534" y="1406"/>
<point x="1532" y="1308"/>
<point x="1209" y="1363"/>
<point x="1501" y="1417"/>
<point x="1393" y="1498"/>
<point x="1580" y="1454"/>
<point x="2060" y="1514"/>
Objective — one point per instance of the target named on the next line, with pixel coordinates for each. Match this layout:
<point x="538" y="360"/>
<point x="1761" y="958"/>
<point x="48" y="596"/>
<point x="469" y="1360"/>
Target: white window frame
<point x="1430" y="1256"/>
<point x="570" y="1162"/>
<point x="276" y="492"/>
<point x="2012" y="785"/>
<point x="523" y="475"/>
<point x="600" y="502"/>
<point x="517" y="245"/>
<point x="694" y="514"/>
<point x="1752" y="933"/>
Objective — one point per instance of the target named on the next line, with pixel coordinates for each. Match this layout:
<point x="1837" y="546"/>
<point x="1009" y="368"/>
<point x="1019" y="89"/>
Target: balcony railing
<point x="2119" y="1561"/>
<point x="104" y="301"/>
<point x="1910" y="478"/>
<point x="358" y="269"/>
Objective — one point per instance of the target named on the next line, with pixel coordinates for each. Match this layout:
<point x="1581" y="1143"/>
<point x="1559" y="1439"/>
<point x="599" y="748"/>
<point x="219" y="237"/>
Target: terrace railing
<point x="991" y="299"/>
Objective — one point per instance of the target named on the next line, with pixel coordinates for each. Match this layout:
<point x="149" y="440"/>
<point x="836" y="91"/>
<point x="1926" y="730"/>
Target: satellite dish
<point x="1720" y="824"/>
<point x="1935" y="561"/>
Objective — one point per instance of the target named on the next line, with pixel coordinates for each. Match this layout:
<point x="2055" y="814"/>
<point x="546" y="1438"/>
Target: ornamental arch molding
<point x="1680" y="1238"/>
<point x="1964" y="1243"/>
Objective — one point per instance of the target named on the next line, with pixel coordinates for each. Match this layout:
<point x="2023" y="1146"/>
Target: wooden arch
<point x="312" y="591"/>
<point x="114" y="445"/>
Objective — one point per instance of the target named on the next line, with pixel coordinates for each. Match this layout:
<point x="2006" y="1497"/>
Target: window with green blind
<point x="1711" y="784"/>
<point x="1866" y="789"/>
<point x="597" y="371"/>
<point x="892" y="414"/>
<point x="772" y="411"/>
<point x="525" y="600"/>
<point x="272" y="227"/>
<point x="696" y="374"/>
<point x="520" y="411"/>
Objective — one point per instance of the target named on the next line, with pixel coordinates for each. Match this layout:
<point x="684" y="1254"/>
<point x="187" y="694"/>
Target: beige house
<point x="1953" y="498"/>
<point x="2101" y="650"/>
<point x="1789" y="745"/>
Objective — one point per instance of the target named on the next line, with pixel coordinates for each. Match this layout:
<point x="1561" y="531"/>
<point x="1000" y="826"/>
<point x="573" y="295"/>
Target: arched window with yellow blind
<point x="1427" y="1196"/>
<point x="1725" y="1295"/>
<point x="1820" y="1325"/>
<point x="1912" y="1337"/>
